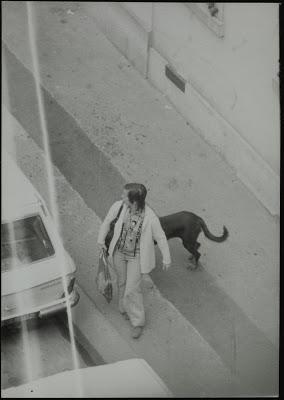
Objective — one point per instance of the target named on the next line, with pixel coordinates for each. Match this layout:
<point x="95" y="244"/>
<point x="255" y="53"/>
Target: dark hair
<point x="136" y="192"/>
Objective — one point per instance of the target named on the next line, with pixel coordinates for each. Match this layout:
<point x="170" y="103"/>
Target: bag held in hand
<point x="109" y="235"/>
<point x="103" y="278"/>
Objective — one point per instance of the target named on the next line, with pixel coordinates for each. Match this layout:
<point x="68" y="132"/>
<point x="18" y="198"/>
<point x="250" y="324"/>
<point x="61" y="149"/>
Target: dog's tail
<point x="210" y="236"/>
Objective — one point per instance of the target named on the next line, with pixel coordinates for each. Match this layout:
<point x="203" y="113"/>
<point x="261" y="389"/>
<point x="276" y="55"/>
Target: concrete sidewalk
<point x="147" y="140"/>
<point x="170" y="344"/>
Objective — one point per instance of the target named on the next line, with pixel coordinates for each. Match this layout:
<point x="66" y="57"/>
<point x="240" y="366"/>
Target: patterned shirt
<point x="129" y="241"/>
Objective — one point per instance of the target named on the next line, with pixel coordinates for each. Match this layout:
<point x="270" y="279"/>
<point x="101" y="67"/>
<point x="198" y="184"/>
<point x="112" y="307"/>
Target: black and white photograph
<point x="140" y="201"/>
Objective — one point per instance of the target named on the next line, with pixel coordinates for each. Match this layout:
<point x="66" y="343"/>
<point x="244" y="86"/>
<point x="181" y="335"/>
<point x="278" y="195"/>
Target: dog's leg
<point x="194" y="254"/>
<point x="189" y="249"/>
<point x="197" y="254"/>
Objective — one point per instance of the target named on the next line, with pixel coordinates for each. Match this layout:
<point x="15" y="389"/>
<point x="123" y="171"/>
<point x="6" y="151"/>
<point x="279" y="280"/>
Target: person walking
<point x="131" y="250"/>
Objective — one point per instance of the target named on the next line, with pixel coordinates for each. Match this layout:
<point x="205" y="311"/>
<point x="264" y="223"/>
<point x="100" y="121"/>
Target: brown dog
<point x="187" y="226"/>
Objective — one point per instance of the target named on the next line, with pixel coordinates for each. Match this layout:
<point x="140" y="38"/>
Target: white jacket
<point x="151" y="230"/>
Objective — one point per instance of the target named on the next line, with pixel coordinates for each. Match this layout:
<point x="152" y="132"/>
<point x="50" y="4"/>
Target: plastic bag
<point x="103" y="278"/>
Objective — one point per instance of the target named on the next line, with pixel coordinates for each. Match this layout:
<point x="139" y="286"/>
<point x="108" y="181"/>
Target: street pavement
<point x="107" y="126"/>
<point x="170" y="344"/>
<point x="46" y="342"/>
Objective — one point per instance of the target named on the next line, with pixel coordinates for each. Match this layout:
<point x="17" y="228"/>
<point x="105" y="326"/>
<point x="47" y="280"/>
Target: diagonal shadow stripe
<point x="221" y="322"/>
<point x="96" y="179"/>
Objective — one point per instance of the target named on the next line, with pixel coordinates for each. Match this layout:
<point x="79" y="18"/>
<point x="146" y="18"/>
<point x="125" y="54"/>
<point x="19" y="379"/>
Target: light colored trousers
<point x="129" y="287"/>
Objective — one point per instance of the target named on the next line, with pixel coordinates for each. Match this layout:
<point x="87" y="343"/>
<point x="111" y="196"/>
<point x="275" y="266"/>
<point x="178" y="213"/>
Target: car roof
<point x="17" y="190"/>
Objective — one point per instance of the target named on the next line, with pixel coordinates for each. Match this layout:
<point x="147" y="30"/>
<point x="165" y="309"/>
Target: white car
<point x="33" y="259"/>
<point x="126" y="379"/>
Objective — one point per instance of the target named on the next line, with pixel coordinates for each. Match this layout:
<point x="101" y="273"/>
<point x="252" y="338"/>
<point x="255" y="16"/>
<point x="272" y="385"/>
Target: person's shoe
<point x="136" y="332"/>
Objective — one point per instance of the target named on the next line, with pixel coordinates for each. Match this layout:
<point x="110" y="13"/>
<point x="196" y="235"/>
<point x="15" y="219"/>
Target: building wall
<point x="231" y="94"/>
<point x="125" y="29"/>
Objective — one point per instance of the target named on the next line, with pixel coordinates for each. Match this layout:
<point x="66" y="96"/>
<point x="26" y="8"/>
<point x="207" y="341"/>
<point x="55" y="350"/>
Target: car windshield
<point x="24" y="241"/>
